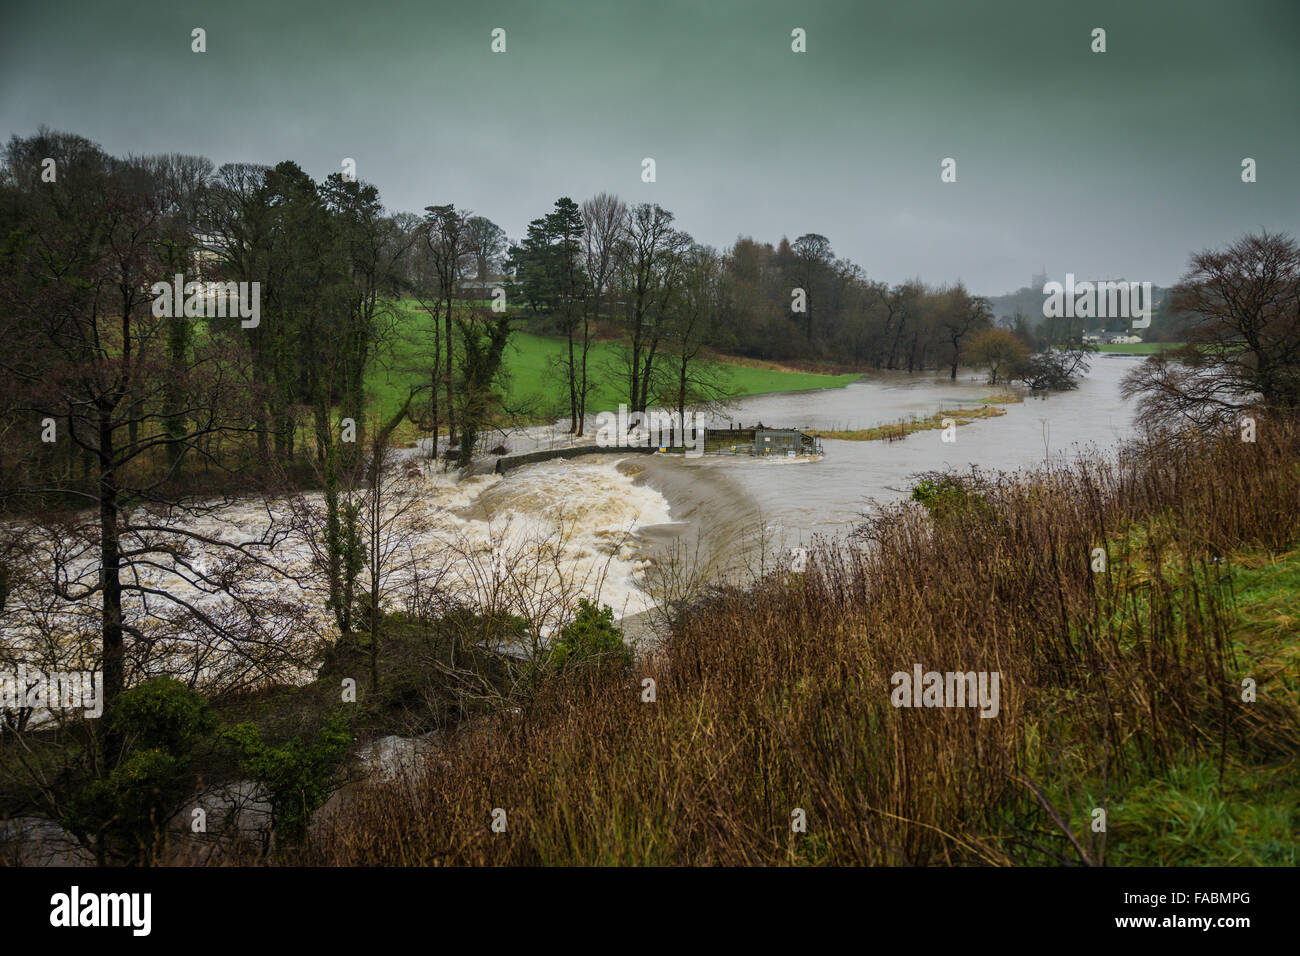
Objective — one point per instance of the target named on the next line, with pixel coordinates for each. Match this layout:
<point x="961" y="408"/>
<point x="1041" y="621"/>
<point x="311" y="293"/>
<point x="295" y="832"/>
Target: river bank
<point x="1121" y="694"/>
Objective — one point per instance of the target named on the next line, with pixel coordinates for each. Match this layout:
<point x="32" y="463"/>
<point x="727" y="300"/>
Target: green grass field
<point x="536" y="376"/>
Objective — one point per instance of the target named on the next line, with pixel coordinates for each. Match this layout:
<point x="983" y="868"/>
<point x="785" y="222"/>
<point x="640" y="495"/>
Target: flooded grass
<point x="896" y="431"/>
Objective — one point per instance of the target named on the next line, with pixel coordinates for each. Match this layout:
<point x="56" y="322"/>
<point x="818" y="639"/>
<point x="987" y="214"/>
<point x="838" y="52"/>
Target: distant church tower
<point x="1040" y="280"/>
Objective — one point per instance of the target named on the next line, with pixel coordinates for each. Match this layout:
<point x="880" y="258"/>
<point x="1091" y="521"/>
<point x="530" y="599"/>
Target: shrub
<point x="299" y="775"/>
<point x="161" y="723"/>
<point x="948" y="497"/>
<point x="163" y="714"/>
<point x="590" y="637"/>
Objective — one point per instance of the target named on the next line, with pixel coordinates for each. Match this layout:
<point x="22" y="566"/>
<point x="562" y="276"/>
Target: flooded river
<point x="604" y="525"/>
<point x="825" y="496"/>
<point x="725" y="506"/>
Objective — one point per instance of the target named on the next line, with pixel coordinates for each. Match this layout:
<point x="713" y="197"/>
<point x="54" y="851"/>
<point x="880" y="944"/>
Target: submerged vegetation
<point x="897" y="431"/>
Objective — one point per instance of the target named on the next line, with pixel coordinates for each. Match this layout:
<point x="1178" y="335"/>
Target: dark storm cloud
<point x="1100" y="164"/>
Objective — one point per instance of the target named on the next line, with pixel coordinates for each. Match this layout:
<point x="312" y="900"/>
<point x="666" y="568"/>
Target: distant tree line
<point x="607" y="269"/>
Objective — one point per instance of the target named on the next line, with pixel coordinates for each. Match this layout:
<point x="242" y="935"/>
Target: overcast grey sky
<point x="1114" y="164"/>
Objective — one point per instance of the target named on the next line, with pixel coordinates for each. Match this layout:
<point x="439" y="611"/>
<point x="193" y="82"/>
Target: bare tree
<point x="86" y="366"/>
<point x="959" y="314"/>
<point x="388" y="498"/>
<point x="1244" y="344"/>
<point x="485" y="241"/>
<point x="812" y="259"/>
<point x="694" y="311"/>
<point x="604" y="219"/>
<point x="447" y="237"/>
<point x="650" y="264"/>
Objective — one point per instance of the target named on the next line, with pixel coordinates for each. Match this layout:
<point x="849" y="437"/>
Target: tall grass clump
<point x="775" y="697"/>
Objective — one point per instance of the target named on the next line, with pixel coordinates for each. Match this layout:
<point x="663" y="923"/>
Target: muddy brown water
<point x="722" y="499"/>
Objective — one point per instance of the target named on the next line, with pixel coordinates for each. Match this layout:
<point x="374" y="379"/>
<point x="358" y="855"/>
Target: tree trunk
<point x="586" y="347"/>
<point x="573" y="383"/>
<point x="433" y="387"/>
<point x="114" y="649"/>
<point x="681" y="400"/>
<point x="173" y="399"/>
<point x="374" y="586"/>
<point x="451" y="401"/>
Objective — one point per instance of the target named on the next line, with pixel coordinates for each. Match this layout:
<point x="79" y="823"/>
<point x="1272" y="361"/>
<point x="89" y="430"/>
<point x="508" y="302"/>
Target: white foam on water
<point x="531" y="542"/>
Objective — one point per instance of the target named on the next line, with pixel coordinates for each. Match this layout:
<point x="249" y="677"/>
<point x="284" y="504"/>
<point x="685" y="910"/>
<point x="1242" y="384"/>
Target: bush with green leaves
<point x="160" y="725"/>
<point x="298" y="775"/>
<point x="165" y="714"/>
<point x="948" y="496"/>
<point x="589" y="638"/>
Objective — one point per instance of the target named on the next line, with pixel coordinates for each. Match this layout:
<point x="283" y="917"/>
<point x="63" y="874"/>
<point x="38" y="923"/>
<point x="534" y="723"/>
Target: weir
<point x="756" y="440"/>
